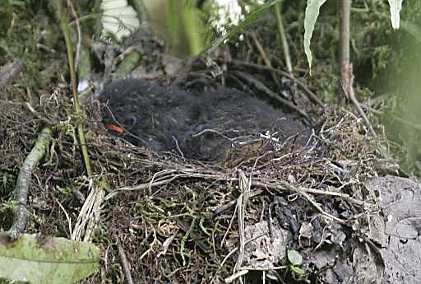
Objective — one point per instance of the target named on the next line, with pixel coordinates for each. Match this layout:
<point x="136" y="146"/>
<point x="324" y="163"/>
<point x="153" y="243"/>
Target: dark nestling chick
<point x="196" y="125"/>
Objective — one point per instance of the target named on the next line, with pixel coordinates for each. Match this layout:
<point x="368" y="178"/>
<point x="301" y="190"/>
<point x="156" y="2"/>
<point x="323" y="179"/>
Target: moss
<point x="27" y="33"/>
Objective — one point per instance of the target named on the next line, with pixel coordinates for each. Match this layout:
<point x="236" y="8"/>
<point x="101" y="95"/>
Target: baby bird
<point x="195" y="125"/>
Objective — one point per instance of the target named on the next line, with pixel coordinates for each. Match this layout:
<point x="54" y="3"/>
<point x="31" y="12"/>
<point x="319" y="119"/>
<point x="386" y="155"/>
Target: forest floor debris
<point x="185" y="221"/>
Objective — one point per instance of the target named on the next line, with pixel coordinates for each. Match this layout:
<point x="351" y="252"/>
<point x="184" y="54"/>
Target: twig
<point x="230" y="223"/>
<point x="264" y="268"/>
<point x="261" y="87"/>
<point x="24" y="181"/>
<point x="245" y="186"/>
<point x="150" y="246"/>
<point x="79" y="33"/>
<point x="178" y="147"/>
<point x="184" y="240"/>
<point x="124" y="262"/>
<point x="234" y="251"/>
<point x="282" y="37"/>
<point x="265" y="58"/>
<point x="189" y="232"/>
<point x="263" y="183"/>
<point x="348" y="89"/>
<point x="204" y="131"/>
<point x="124" y="54"/>
<point x="311" y="96"/>
<point x="361" y="112"/>
<point x="69" y="221"/>
<point x="228" y="205"/>
<point x="235" y="276"/>
<point x="285" y="186"/>
<point x="317" y="206"/>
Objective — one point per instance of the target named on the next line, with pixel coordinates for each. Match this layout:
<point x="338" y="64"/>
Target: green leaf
<point x="294" y="257"/>
<point x="118" y="19"/>
<point x="298" y="271"/>
<point x="395" y="9"/>
<point x="47" y="260"/>
<point x="312" y="12"/>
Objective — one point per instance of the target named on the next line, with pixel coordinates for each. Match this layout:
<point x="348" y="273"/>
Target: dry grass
<point x="183" y="221"/>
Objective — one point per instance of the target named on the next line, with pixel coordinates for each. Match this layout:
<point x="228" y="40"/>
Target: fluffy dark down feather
<point x="199" y="125"/>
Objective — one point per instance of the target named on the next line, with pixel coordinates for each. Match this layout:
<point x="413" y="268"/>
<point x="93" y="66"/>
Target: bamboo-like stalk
<point x="344" y="49"/>
<point x="282" y="36"/>
<point x="64" y="24"/>
<point x="347" y="73"/>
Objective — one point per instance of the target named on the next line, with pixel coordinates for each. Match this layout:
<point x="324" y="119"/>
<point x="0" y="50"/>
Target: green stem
<point x="64" y="24"/>
<point x="191" y="29"/>
<point x="282" y="36"/>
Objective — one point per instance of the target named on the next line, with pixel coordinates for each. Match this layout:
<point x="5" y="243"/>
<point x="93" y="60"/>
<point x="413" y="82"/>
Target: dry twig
<point x="124" y="262"/>
<point x="312" y="96"/>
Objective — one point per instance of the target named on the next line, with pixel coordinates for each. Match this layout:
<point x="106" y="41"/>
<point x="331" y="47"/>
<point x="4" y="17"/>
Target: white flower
<point x="228" y="13"/>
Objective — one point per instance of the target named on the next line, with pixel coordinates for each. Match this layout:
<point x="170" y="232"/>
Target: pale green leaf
<point x="294" y="257"/>
<point x="118" y="18"/>
<point x="47" y="260"/>
<point x="298" y="271"/>
<point x="395" y="9"/>
<point x="312" y="12"/>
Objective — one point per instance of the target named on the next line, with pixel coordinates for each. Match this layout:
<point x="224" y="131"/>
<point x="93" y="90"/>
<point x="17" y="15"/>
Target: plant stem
<point x="64" y="23"/>
<point x="282" y="36"/>
<point x="344" y="60"/>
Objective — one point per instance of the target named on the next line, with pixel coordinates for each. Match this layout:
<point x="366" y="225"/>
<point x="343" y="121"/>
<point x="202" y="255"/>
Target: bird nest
<point x="184" y="221"/>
